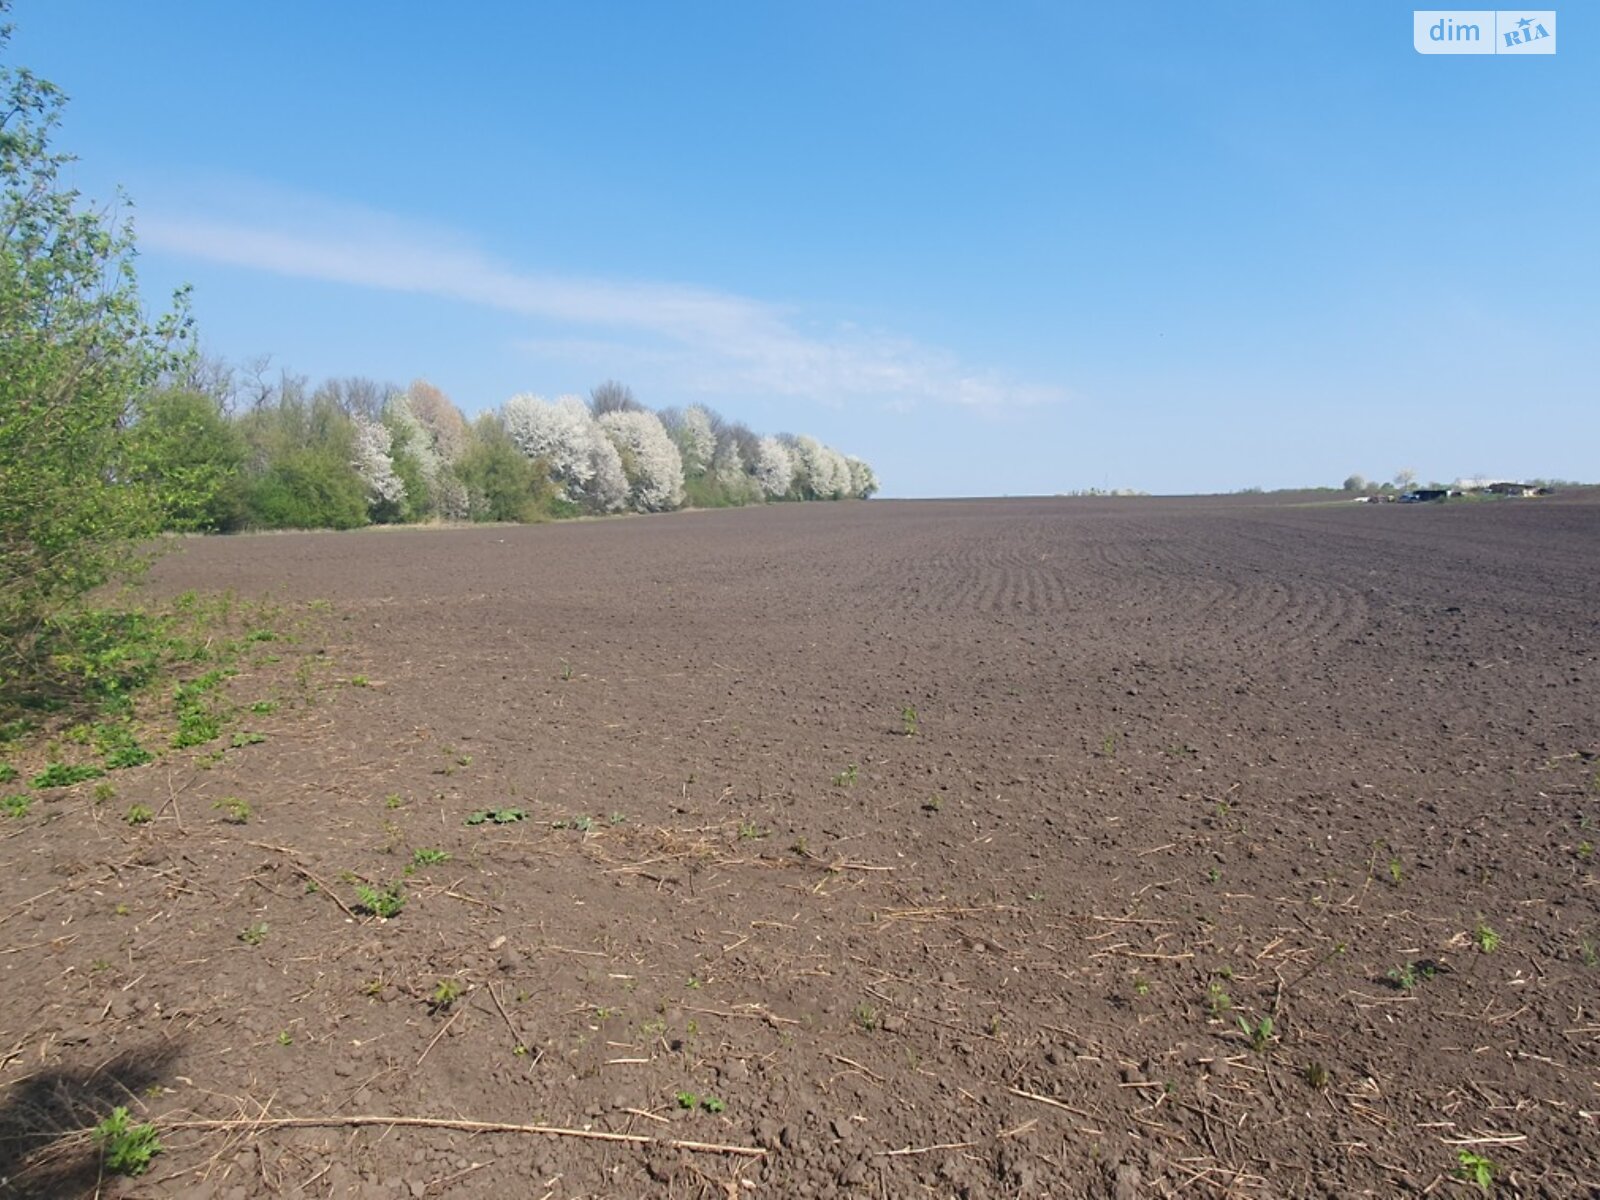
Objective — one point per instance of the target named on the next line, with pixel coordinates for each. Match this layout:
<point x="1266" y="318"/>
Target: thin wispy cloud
<point x="705" y="340"/>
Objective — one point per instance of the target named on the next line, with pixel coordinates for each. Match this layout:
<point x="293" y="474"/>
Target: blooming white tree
<point x="697" y="439"/>
<point x="727" y="467"/>
<point x="838" y="469"/>
<point x="818" y="469"/>
<point x="863" y="479"/>
<point x="577" y="454"/>
<point x="562" y="434"/>
<point x="774" y="467"/>
<point x="656" y="478"/>
<point x="386" y="491"/>
<point x="417" y="438"/>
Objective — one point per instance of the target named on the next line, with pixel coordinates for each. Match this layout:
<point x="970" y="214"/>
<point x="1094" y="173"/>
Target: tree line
<point x="223" y="449"/>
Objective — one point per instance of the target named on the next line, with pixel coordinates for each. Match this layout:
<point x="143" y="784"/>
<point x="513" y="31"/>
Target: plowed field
<point x="985" y="848"/>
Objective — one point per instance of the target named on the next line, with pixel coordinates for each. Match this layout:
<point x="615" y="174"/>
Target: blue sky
<point x="1013" y="248"/>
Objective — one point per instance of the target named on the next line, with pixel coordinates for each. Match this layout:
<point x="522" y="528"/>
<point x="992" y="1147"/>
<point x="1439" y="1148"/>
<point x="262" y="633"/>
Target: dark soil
<point x="930" y="849"/>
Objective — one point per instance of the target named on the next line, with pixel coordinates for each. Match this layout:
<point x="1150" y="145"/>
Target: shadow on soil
<point x="43" y="1153"/>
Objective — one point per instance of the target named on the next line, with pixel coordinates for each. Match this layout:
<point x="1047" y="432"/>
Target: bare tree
<point x="612" y="396"/>
<point x="358" y="396"/>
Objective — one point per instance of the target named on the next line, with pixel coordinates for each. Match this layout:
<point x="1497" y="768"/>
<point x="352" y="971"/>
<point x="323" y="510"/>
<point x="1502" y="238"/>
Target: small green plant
<point x="509" y="816"/>
<point x="579" y="824"/>
<point x="1485" y="938"/>
<point x="750" y="831"/>
<point x="429" y="858"/>
<point x="384" y="902"/>
<point x="1141" y="986"/>
<point x="127" y="754"/>
<point x="1396" y="872"/>
<point x="866" y="1017"/>
<point x="59" y="775"/>
<point x="1260" y="1034"/>
<point x="16" y="806"/>
<point x="139" y="814"/>
<point x="932" y="804"/>
<point x="846" y="777"/>
<point x="196" y="726"/>
<point x="126" y="1148"/>
<point x="1476" y="1169"/>
<point x="689" y="1101"/>
<point x="285" y="1038"/>
<point x="1108" y="745"/>
<point x="1213" y="875"/>
<point x="1316" y="1075"/>
<point x="8" y="773"/>
<point x="254" y="935"/>
<point x="104" y="791"/>
<point x="1406" y="978"/>
<point x="360" y="681"/>
<point x="264" y="708"/>
<point x="445" y="993"/>
<point x="240" y="740"/>
<point x="908" y="721"/>
<point x="566" y="671"/>
<point x="1587" y="952"/>
<point x="1217" y="999"/>
<point x="234" y="810"/>
<point x="393" y="801"/>
<point x="1586" y="850"/>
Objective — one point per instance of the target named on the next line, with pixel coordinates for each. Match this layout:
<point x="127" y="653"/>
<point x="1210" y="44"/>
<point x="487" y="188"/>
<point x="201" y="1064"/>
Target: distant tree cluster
<point x="227" y="450"/>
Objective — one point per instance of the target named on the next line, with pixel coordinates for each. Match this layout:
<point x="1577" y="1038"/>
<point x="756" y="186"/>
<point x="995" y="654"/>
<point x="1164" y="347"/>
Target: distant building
<point x="1513" y="489"/>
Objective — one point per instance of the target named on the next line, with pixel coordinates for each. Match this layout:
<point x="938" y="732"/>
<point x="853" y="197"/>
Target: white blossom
<point x="373" y="464"/>
<point x="657" y="476"/>
<point x="774" y="467"/>
<point x="818" y="469"/>
<point x="562" y="434"/>
<point x="863" y="479"/>
<point x="607" y="490"/>
<point x="697" y="439"/>
<point x="416" y="437"/>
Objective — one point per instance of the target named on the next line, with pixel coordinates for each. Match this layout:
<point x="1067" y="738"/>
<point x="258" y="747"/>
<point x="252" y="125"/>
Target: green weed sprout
<point x="127" y="1148"/>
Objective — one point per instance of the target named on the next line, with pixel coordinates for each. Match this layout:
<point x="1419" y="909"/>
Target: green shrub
<point x="76" y="352"/>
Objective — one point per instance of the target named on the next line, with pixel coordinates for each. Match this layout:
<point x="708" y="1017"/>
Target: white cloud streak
<point x="707" y="341"/>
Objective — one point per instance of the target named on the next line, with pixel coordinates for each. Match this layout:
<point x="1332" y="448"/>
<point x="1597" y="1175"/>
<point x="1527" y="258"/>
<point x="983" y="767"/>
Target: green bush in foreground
<point x="76" y="352"/>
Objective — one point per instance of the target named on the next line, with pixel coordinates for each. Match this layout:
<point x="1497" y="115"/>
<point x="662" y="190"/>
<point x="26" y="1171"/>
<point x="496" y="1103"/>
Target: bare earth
<point x="1177" y="766"/>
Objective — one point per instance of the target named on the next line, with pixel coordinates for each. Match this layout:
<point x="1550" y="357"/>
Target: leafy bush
<point x="501" y="483"/>
<point x="189" y="454"/>
<point x="76" y="353"/>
